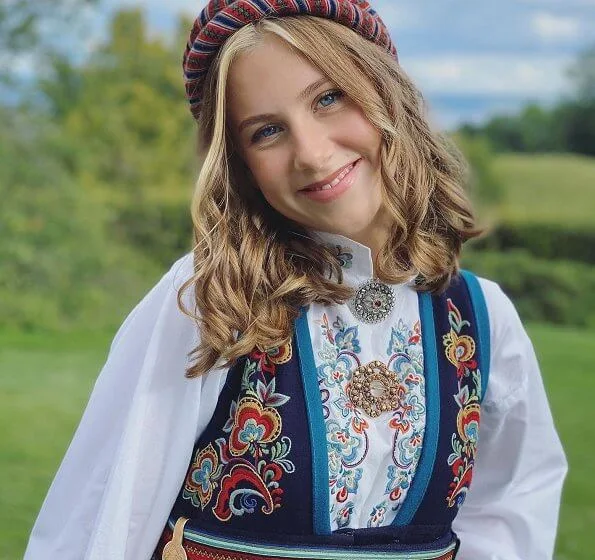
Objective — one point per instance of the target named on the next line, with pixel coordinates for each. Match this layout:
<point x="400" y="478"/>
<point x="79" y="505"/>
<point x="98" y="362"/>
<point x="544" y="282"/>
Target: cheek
<point x="267" y="172"/>
<point x="363" y="135"/>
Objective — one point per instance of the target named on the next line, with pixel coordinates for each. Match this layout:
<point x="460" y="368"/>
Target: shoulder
<point x="503" y="315"/>
<point x="511" y="350"/>
<point x="173" y="279"/>
<point x="180" y="271"/>
<point x="161" y="301"/>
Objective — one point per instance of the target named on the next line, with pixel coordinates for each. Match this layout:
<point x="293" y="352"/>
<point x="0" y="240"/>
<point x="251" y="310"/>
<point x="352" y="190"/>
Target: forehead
<point x="267" y="78"/>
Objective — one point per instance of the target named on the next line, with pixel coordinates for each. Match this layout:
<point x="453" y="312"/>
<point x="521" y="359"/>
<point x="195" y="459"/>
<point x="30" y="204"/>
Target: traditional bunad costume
<point x="359" y="438"/>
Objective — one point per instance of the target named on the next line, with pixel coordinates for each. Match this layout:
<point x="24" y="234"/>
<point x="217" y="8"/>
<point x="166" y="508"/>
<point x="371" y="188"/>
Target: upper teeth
<point x="335" y="181"/>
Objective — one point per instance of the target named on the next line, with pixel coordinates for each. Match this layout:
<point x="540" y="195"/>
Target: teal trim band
<point x="303" y="552"/>
<point x="430" y="443"/>
<point x="320" y="478"/>
<point x="482" y="320"/>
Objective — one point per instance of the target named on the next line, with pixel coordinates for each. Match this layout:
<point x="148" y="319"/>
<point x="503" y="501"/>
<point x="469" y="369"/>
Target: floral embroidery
<point x="202" y="477"/>
<point x="460" y="351"/>
<point x="397" y="483"/>
<point x="344" y="515"/>
<point x="347" y="427"/>
<point x="343" y="255"/>
<point x="377" y="515"/>
<point x="253" y="426"/>
<point x="245" y="472"/>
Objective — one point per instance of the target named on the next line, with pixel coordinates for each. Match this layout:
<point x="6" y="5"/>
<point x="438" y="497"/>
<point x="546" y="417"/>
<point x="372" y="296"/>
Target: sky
<point x="470" y="59"/>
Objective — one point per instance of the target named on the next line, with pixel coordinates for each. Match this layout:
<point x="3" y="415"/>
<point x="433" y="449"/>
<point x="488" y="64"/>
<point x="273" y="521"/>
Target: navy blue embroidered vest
<point x="260" y="468"/>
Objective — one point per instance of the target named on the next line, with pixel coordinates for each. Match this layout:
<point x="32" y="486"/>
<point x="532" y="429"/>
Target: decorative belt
<point x="185" y="544"/>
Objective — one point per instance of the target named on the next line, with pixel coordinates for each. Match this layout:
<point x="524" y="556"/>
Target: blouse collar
<point x="356" y="259"/>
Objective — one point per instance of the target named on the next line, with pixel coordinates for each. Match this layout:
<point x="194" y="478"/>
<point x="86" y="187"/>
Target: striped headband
<point x="221" y="18"/>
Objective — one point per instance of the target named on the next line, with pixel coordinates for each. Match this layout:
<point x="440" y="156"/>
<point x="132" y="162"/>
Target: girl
<point x="349" y="392"/>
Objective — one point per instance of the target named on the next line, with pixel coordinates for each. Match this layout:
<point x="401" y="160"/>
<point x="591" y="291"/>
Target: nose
<point x="312" y="146"/>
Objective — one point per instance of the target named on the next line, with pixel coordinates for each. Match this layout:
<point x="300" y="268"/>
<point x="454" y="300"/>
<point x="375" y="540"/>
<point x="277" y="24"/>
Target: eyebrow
<point x="307" y="92"/>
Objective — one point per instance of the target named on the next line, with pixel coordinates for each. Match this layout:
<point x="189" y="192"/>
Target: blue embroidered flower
<point x="351" y="478"/>
<point x="341" y="440"/>
<point x="251" y="433"/>
<point x="334" y="463"/>
<point x="377" y="515"/>
<point x="202" y="476"/>
<point x="336" y="372"/>
<point x="344" y="256"/>
<point x="344" y="515"/>
<point x="347" y="484"/>
<point x="346" y="340"/>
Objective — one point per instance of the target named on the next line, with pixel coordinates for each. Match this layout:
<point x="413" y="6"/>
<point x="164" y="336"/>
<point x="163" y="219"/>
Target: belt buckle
<point x="174" y="549"/>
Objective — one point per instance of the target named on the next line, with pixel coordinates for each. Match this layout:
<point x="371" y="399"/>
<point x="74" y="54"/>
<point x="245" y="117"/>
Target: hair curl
<point x="253" y="268"/>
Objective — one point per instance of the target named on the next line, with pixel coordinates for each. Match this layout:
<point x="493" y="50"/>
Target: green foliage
<point x="123" y="115"/>
<point x="568" y="126"/>
<point x="162" y="228"/>
<point x="559" y="292"/>
<point x="548" y="188"/>
<point x="96" y="181"/>
<point x="534" y="130"/>
<point x="582" y="75"/>
<point x="545" y="241"/>
<point x="127" y="135"/>
<point x="58" y="265"/>
<point x="576" y="125"/>
<point x="20" y="20"/>
<point x="485" y="185"/>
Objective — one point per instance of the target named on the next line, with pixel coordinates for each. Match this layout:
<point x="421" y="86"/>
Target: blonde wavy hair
<point x="253" y="268"/>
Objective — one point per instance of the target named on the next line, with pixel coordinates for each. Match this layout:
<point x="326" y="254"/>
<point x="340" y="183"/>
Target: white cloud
<point x="552" y="28"/>
<point x="541" y="77"/>
<point x="394" y="16"/>
<point x="21" y="65"/>
<point x="172" y="6"/>
<point x="562" y="3"/>
<point x="398" y="15"/>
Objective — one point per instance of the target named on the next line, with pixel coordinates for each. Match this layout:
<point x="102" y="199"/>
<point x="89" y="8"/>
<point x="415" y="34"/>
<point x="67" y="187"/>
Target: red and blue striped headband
<point x="221" y="18"/>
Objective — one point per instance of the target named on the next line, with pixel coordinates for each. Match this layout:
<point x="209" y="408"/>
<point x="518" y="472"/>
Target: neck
<point x="374" y="237"/>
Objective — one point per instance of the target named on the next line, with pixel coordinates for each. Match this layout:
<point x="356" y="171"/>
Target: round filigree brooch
<point x="372" y="302"/>
<point x="375" y="389"/>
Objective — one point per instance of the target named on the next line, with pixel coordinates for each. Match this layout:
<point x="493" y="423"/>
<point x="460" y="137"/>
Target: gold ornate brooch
<point x="375" y="389"/>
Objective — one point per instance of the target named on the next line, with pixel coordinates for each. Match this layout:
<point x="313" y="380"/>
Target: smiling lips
<point x="331" y="181"/>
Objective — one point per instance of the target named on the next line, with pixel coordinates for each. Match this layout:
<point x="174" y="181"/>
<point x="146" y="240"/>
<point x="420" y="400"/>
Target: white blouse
<point x="128" y="459"/>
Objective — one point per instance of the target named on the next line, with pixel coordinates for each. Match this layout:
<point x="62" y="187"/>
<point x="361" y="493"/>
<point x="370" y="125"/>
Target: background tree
<point x="568" y="126"/>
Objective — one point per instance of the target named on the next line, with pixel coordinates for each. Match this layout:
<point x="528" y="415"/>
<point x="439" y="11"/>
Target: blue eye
<point x="265" y="132"/>
<point x="329" y="98"/>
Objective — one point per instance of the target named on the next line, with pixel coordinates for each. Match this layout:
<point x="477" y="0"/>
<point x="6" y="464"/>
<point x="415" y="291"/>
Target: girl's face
<point x="311" y="151"/>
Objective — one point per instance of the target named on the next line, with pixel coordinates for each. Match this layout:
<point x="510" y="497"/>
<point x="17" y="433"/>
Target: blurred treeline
<point x="538" y="171"/>
<point x="97" y="165"/>
<point x="567" y="126"/>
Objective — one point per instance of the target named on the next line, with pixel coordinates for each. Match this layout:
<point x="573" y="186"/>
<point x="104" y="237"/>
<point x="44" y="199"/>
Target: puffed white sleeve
<point x="511" y="509"/>
<point x="121" y="473"/>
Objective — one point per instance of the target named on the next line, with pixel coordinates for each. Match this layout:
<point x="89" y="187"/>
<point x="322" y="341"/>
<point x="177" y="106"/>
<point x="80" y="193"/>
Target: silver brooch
<point x="372" y="302"/>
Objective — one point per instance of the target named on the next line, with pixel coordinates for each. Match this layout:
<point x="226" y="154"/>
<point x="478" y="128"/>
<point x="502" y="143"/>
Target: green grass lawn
<point x="45" y="381"/>
<point x="547" y="188"/>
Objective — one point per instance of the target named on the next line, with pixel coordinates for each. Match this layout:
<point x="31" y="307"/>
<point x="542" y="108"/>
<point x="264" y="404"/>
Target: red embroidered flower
<point x="468" y="424"/>
<point x="253" y="425"/>
<point x="460" y="351"/>
<point x="271" y="357"/>
<point x="202" y="477"/>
